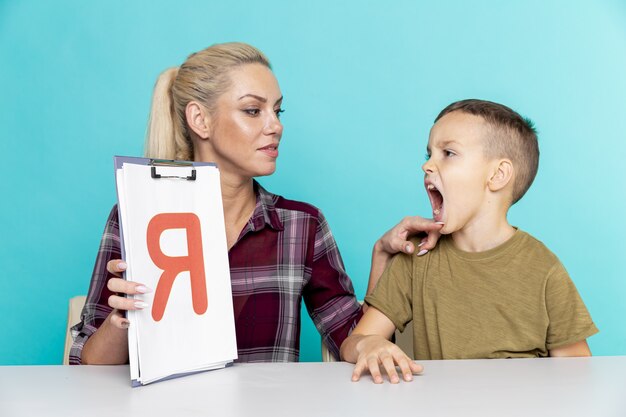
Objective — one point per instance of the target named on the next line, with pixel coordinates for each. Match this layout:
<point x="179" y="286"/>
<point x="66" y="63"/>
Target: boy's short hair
<point x="513" y="137"/>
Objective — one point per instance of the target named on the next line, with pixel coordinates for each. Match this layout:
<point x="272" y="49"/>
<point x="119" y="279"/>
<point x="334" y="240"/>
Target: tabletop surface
<point x="507" y="387"/>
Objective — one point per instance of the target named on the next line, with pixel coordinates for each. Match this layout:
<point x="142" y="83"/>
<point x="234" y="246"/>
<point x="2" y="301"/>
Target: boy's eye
<point x="427" y="156"/>
<point x="447" y="152"/>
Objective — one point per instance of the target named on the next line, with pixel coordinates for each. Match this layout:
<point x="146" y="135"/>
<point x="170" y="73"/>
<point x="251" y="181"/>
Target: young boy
<point x="488" y="289"/>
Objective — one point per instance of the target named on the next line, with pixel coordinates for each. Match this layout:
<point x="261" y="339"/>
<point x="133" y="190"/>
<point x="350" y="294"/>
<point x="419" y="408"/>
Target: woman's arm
<point x="109" y="344"/>
<point x="101" y="336"/>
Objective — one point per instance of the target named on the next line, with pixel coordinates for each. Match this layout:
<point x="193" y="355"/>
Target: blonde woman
<point x="223" y="105"/>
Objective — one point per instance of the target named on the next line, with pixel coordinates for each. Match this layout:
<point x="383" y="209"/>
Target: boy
<point x="488" y="290"/>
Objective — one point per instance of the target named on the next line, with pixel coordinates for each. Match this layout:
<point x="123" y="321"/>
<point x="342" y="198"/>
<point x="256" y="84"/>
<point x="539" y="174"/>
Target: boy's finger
<point x="416" y="368"/>
<point x="390" y="368"/>
<point x="372" y="364"/>
<point x="403" y="363"/>
<point x="358" y="370"/>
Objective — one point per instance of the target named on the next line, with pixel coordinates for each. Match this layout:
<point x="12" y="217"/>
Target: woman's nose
<point x="274" y="125"/>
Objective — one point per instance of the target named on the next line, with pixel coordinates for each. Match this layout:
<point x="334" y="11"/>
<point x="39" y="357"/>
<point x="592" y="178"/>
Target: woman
<point x="223" y="105"/>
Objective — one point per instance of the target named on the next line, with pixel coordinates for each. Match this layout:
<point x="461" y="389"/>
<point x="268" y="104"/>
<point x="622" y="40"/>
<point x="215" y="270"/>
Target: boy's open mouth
<point x="436" y="201"/>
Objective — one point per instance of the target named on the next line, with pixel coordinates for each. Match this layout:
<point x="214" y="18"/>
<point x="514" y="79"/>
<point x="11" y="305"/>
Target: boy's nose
<point x="427" y="167"/>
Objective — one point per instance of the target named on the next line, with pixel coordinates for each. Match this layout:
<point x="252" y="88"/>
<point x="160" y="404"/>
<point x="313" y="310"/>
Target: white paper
<point x="182" y="340"/>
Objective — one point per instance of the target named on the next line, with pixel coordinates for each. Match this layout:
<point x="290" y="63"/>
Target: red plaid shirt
<point x="284" y="254"/>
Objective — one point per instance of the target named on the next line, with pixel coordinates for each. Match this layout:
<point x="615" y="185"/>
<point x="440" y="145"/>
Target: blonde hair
<point x="203" y="77"/>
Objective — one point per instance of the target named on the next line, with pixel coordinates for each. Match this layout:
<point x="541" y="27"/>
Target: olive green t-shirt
<point x="515" y="300"/>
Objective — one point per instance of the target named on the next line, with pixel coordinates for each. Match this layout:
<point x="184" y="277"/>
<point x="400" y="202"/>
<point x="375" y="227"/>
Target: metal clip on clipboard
<point x="154" y="163"/>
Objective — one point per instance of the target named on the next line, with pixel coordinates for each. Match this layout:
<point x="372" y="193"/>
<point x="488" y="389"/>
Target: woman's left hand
<point x="397" y="240"/>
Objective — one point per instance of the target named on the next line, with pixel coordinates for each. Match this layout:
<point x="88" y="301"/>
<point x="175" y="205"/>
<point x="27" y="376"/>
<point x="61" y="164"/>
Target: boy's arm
<point x="575" y="349"/>
<point x="368" y="347"/>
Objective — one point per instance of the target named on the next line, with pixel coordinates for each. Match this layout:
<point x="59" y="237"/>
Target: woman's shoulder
<point x="281" y="204"/>
<point x="297" y="206"/>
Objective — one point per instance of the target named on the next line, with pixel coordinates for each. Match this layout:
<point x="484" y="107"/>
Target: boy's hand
<point x="374" y="351"/>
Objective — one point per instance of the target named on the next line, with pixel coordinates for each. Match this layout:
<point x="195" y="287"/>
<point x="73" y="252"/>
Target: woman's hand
<point x="119" y="303"/>
<point x="397" y="240"/>
<point x="109" y="344"/>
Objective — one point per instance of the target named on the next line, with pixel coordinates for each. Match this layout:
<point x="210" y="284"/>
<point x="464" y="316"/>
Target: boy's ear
<point x="198" y="119"/>
<point x="502" y="175"/>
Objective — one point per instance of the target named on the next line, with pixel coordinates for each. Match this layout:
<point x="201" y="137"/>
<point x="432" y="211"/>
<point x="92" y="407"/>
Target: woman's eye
<point x="278" y="112"/>
<point x="252" y="112"/>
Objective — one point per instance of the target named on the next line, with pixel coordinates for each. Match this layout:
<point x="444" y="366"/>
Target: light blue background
<point x="362" y="80"/>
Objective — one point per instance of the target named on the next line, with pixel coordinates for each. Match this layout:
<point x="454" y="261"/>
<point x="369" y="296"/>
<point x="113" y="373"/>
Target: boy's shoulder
<point x="522" y="251"/>
<point x="537" y="251"/>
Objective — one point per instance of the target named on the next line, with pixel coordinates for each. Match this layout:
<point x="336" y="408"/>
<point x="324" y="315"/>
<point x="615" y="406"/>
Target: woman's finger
<point x="116" y="267"/>
<point x="122" y="286"/>
<point x="123" y="303"/>
<point x="118" y="320"/>
<point x="416" y="224"/>
<point x="431" y="239"/>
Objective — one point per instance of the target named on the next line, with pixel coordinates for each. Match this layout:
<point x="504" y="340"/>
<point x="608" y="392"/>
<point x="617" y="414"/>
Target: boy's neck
<point x="483" y="236"/>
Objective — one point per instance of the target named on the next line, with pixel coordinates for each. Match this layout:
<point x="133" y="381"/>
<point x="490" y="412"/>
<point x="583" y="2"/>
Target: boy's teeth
<point x="436" y="212"/>
<point x="431" y="187"/>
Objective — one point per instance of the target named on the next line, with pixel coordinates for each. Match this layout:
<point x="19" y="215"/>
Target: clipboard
<point x="173" y="239"/>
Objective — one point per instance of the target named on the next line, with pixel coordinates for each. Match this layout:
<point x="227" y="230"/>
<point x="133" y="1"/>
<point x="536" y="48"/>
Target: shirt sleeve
<point x="569" y="320"/>
<point x="393" y="295"/>
<point x="329" y="294"/>
<point x="96" y="308"/>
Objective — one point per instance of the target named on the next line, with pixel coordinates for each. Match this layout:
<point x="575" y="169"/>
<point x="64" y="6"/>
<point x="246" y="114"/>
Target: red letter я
<point x="174" y="265"/>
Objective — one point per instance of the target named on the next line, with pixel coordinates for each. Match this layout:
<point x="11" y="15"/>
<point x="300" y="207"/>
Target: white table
<point x="589" y="387"/>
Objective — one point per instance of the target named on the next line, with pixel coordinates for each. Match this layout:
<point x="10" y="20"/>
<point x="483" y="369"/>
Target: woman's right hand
<point x="109" y="344"/>
<point x="121" y="287"/>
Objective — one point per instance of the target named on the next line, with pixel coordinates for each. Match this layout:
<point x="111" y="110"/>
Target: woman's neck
<point x="239" y="201"/>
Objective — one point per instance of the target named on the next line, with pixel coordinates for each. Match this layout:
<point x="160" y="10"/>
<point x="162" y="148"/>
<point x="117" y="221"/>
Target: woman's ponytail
<point x="165" y="137"/>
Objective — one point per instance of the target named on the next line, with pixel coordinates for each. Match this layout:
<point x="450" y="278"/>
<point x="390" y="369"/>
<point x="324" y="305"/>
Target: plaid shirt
<point x="284" y="254"/>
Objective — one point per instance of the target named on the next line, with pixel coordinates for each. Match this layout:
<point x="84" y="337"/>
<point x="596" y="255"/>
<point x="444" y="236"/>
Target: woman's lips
<point x="270" y="150"/>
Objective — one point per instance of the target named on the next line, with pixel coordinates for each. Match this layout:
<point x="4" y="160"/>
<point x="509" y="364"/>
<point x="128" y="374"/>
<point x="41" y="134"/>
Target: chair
<point x="73" y="317"/>
<point x="403" y="339"/>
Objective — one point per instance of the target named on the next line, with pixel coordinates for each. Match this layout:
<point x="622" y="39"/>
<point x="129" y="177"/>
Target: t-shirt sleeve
<point x="393" y="293"/>
<point x="570" y="322"/>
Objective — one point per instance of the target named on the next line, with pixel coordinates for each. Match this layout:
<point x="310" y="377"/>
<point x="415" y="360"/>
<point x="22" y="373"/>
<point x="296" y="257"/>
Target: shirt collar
<point x="265" y="210"/>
